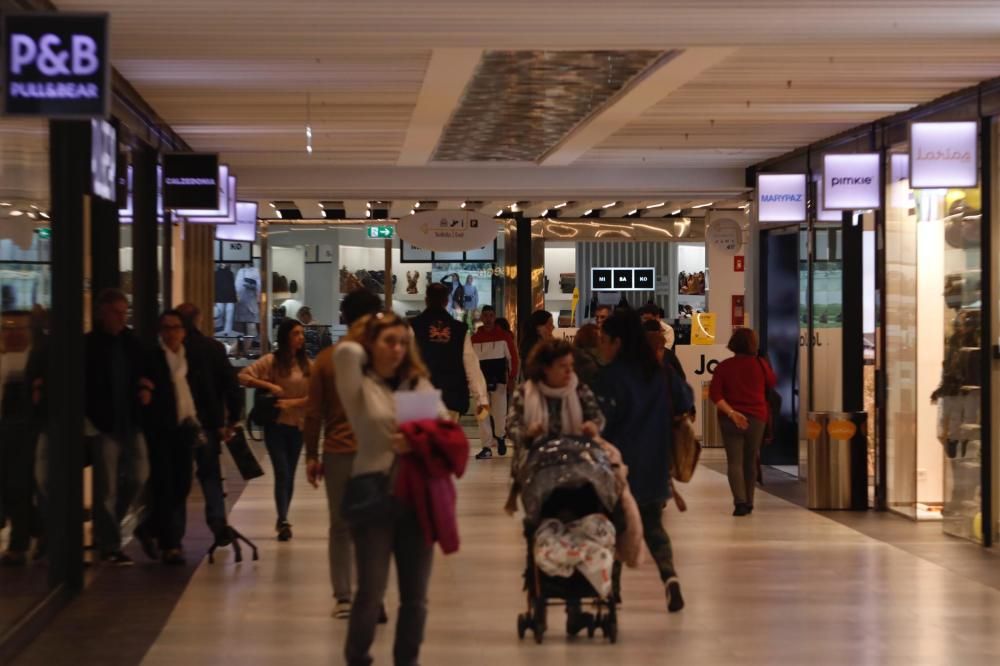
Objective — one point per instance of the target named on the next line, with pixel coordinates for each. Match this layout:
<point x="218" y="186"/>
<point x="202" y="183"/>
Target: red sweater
<point x="741" y="382"/>
<point x="438" y="449"/>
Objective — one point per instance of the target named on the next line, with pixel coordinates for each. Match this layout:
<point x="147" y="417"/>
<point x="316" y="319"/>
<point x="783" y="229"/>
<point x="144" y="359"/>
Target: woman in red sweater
<point x="739" y="389"/>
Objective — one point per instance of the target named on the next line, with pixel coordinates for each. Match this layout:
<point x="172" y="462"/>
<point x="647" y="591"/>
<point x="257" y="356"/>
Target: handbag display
<point x="368" y="498"/>
<point x="246" y="462"/>
<point x="687" y="451"/>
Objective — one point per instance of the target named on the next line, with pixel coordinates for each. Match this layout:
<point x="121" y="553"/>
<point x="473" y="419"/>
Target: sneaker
<point x="675" y="601"/>
<point x="342" y="610"/>
<point x="501" y="447"/>
<point x="484" y="454"/>
<point x="285" y="532"/>
<point x="174" y="557"/>
<point x="118" y="559"/>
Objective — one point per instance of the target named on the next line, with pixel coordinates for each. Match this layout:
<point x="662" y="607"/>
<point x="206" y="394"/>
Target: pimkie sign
<point x="56" y="65"/>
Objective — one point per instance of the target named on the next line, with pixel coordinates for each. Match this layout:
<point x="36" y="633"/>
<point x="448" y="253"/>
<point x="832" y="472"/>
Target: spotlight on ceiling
<point x="287" y="210"/>
<point x="378" y="210"/>
<point x="593" y="212"/>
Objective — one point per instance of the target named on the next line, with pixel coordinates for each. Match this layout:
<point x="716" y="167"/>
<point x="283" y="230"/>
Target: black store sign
<point x="56" y="65"/>
<point x="191" y="181"/>
<point x="622" y="279"/>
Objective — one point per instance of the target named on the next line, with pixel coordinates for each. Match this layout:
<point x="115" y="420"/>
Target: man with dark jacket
<point x="115" y="391"/>
<point x="447" y="350"/>
<point x="218" y="399"/>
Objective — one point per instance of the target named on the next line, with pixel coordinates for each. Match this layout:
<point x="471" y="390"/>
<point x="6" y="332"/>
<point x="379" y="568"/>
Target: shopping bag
<point x="243" y="455"/>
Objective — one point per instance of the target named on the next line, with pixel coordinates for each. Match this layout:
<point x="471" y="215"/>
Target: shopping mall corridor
<point x="785" y="586"/>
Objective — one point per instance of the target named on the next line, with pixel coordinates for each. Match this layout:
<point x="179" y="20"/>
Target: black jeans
<point x="284" y="447"/>
<point x="17" y="483"/>
<point x="374" y="544"/>
<point x="170" y="477"/>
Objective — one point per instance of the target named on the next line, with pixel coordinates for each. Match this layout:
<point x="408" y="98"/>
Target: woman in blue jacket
<point x="640" y="398"/>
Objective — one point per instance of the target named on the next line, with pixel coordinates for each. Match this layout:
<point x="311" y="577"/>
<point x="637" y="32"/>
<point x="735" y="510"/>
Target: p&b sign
<point x="56" y="65"/>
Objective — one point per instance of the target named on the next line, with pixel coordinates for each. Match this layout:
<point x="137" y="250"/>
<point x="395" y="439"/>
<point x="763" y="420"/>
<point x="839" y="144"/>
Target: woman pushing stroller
<point x="572" y="487"/>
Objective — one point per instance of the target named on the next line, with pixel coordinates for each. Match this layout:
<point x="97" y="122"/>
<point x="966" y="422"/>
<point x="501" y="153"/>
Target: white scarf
<point x="536" y="408"/>
<point x="177" y="362"/>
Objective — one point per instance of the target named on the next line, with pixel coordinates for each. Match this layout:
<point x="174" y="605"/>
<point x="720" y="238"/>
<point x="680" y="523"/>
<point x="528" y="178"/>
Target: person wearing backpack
<point x="739" y="390"/>
<point x="285" y="375"/>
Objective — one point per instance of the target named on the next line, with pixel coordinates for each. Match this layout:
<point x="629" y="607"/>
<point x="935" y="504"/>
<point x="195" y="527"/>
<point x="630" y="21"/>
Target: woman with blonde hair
<point x="378" y="359"/>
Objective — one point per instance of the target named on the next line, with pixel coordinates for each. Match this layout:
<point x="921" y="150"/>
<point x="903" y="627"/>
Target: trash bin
<point x="837" y="459"/>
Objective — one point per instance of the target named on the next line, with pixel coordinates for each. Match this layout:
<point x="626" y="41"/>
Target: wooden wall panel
<point x="199" y="271"/>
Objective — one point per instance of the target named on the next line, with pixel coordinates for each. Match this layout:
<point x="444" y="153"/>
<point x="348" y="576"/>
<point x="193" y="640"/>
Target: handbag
<point x="773" y="400"/>
<point x="687" y="451"/>
<point x="368" y="498"/>
<point x="246" y="462"/>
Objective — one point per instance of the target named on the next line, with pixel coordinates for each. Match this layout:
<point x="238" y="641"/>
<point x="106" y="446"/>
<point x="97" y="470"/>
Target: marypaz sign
<point x="56" y="65"/>
<point x="852" y="181"/>
<point x="781" y="197"/>
<point x="944" y="154"/>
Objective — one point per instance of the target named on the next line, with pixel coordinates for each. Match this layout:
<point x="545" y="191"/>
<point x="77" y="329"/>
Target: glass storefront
<point x="934" y="352"/>
<point x="25" y="300"/>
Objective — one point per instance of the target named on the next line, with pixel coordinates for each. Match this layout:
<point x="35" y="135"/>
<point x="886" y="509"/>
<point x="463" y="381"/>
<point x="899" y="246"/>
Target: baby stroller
<point x="569" y="481"/>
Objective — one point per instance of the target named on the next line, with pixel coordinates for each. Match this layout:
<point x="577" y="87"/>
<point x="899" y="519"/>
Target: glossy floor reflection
<point x="784" y="586"/>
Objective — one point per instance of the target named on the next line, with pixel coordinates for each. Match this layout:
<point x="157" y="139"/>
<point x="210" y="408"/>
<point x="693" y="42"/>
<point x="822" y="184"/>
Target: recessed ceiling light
<point x="610" y="205"/>
<point x="278" y="213"/>
<point x="500" y="212"/>
<point x="662" y="203"/>
<point x="588" y="211"/>
<point x="270" y="203"/>
<point x="633" y="211"/>
<point x="413" y="211"/>
<point x="416" y="205"/>
<point x="369" y="204"/>
<point x="704" y="205"/>
<point x="321" y="205"/>
<point x="368" y="213"/>
<point x="34" y="206"/>
<point x="676" y="212"/>
<point x="45" y="215"/>
<point x="563" y="204"/>
<point x="16" y="213"/>
<point x="463" y="205"/>
<point x="32" y="215"/>
<point x="545" y="212"/>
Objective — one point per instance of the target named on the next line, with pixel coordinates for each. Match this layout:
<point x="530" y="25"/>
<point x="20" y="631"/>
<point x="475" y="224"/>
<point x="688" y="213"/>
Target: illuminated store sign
<point x="103" y="159"/>
<point x="191" y="181"/>
<point x="447" y="230"/>
<point x="57" y="65"/>
<point x="944" y="155"/>
<point x="781" y="197"/>
<point x="852" y="181"/>
<point x="622" y="279"/>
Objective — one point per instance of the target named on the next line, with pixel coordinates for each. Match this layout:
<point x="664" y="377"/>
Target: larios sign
<point x="781" y="197"/>
<point x="852" y="181"/>
<point x="944" y="155"/>
<point x="56" y="65"/>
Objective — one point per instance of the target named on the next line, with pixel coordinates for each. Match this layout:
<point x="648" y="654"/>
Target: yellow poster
<point x="703" y="328"/>
<point x="576" y="302"/>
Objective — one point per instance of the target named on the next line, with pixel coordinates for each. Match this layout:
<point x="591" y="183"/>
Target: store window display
<point x="248" y="289"/>
<point x="225" y="300"/>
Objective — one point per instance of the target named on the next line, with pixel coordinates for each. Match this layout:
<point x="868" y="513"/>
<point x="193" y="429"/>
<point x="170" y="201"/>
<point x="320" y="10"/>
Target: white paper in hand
<point x="417" y="405"/>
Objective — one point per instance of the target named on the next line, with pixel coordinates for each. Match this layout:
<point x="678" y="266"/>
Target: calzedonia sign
<point x="781" y="197"/>
<point x="944" y="154"/>
<point x="852" y="181"/>
<point x="56" y="65"/>
<point x="191" y="181"/>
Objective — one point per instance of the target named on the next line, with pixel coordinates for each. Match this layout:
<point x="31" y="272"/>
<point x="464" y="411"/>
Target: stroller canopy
<point x="565" y="462"/>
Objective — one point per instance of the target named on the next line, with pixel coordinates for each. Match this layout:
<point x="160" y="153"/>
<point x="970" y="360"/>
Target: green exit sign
<point x="44" y="233"/>
<point x="381" y="231"/>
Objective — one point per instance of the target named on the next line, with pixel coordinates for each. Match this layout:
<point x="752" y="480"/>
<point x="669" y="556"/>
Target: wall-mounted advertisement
<point x="191" y="181"/>
<point x="622" y="279"/>
<point x="781" y="197"/>
<point x="944" y="155"/>
<point x="852" y="181"/>
<point x="471" y="288"/>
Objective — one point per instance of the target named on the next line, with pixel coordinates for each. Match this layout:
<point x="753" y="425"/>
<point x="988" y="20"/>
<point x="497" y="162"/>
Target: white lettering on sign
<point x="447" y="231"/>
<point x="189" y="181"/>
<point x="54" y="90"/>
<point x="944" y="154"/>
<point x="48" y="56"/>
<point x="852" y="181"/>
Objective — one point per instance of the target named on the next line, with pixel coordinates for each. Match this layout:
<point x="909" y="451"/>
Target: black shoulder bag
<point x="368" y="498"/>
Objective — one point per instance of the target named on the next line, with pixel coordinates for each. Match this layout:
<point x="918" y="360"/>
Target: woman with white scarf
<point x="551" y="402"/>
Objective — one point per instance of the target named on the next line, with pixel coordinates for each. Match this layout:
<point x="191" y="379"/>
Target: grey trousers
<point x="113" y="457"/>
<point x="374" y="544"/>
<point x="741" y="453"/>
<point x="336" y="472"/>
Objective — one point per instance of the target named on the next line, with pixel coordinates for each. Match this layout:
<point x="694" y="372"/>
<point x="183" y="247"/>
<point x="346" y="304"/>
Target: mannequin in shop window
<point x="957" y="396"/>
<point x="248" y="290"/>
<point x="225" y="300"/>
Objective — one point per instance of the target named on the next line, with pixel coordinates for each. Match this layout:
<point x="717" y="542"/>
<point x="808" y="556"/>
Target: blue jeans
<point x="284" y="446"/>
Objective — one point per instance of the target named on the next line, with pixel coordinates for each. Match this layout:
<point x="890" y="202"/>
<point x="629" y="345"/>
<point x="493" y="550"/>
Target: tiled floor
<point x="784" y="586"/>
